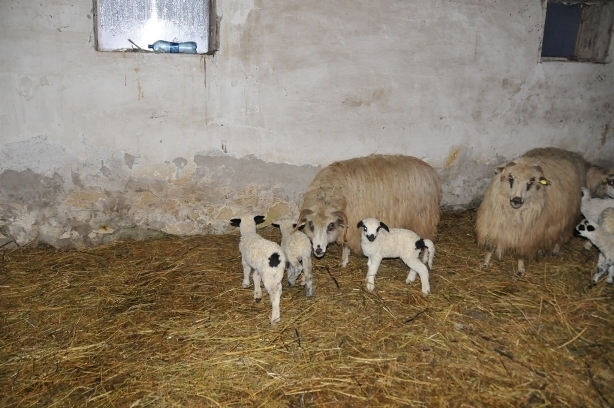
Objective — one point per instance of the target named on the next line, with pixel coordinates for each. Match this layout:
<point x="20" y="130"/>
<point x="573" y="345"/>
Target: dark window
<point x="578" y="30"/>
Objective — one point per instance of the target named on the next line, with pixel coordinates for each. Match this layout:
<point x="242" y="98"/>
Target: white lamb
<point x="598" y="233"/>
<point x="378" y="241"/>
<point x="592" y="208"/>
<point x="265" y="257"/>
<point x="297" y="248"/>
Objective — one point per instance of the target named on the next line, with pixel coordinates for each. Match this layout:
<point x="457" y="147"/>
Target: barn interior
<point x="120" y="279"/>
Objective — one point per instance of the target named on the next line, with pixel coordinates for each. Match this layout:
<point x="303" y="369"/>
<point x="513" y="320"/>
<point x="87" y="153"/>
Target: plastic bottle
<point x="188" y="47"/>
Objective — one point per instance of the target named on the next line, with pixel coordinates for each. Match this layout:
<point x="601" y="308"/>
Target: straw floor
<point x="165" y="323"/>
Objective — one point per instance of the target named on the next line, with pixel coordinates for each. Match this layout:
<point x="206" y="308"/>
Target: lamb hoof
<point x="370" y="287"/>
<point x="290" y="284"/>
<point x="483" y="265"/>
<point x="610" y="280"/>
<point x="245" y="286"/>
<point x="309" y="293"/>
<point x="275" y="321"/>
<point x="520" y="273"/>
<point x="257" y="300"/>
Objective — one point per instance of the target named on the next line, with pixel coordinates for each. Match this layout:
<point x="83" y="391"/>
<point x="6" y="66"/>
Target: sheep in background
<point x="601" y="236"/>
<point x="600" y="182"/>
<point x="297" y="248"/>
<point x="532" y="206"/>
<point x="403" y="190"/>
<point x="378" y="242"/>
<point x="265" y="258"/>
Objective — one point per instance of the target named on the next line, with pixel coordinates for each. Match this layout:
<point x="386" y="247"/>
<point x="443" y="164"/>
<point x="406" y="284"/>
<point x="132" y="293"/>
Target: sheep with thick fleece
<point x="600" y="235"/>
<point x="403" y="190"/>
<point x="297" y="248"/>
<point x="378" y="242"/>
<point x="265" y="258"/>
<point x="532" y="205"/>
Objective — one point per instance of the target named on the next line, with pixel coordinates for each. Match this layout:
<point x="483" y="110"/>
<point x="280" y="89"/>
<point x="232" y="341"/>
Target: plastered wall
<point x="94" y="145"/>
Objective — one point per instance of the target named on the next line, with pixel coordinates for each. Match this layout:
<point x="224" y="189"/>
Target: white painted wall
<point x="94" y="142"/>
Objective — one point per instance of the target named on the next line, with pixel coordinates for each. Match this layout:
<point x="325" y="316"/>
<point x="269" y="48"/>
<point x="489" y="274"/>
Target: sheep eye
<point x="511" y="179"/>
<point x="364" y="228"/>
<point x="330" y="227"/>
<point x="530" y="183"/>
<point x="311" y="225"/>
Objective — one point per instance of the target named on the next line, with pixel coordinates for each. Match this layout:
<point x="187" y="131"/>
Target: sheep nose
<point x="516" y="202"/>
<point x="318" y="251"/>
<point x="371" y="238"/>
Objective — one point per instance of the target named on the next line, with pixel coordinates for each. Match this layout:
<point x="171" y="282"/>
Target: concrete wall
<point x="96" y="143"/>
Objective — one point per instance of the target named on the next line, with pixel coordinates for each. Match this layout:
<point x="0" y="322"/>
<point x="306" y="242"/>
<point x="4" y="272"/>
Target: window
<point x="578" y="30"/>
<point x="132" y="24"/>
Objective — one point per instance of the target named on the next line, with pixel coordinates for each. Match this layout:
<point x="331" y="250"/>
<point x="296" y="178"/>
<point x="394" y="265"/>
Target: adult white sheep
<point x="265" y="258"/>
<point x="297" y="248"/>
<point x="403" y="190"/>
<point x="532" y="206"/>
<point x="378" y="242"/>
<point x="600" y="234"/>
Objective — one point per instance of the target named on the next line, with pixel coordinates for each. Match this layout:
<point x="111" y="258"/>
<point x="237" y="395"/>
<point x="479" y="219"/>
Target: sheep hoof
<point x="309" y="293"/>
<point x="245" y="286"/>
<point x="520" y="273"/>
<point x="370" y="287"/>
<point x="257" y="300"/>
<point x="290" y="284"/>
<point x="275" y="321"/>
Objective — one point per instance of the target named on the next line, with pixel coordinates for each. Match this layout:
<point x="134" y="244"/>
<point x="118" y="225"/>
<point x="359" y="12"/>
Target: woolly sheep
<point x="532" y="206"/>
<point x="378" y="242"/>
<point x="297" y="248"/>
<point x="401" y="189"/>
<point x="602" y="239"/>
<point x="265" y="258"/>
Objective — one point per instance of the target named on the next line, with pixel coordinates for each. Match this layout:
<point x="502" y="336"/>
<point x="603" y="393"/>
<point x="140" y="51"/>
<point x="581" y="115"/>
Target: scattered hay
<point x="165" y="322"/>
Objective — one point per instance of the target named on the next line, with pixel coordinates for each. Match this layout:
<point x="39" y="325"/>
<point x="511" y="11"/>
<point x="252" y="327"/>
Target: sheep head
<point x="322" y="228"/>
<point x="371" y="227"/>
<point x="522" y="180"/>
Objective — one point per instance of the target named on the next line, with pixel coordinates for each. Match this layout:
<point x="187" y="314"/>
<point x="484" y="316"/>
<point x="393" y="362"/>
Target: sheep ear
<point x="543" y="181"/>
<point x="259" y="219"/>
<point x="235" y="222"/>
<point x="384" y="226"/>
<point x="304" y="213"/>
<point x="360" y="224"/>
<point x="342" y="216"/>
<point x="538" y="168"/>
<point x="499" y="169"/>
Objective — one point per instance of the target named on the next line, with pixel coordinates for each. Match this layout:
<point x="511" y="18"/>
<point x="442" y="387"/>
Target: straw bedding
<point x="165" y="322"/>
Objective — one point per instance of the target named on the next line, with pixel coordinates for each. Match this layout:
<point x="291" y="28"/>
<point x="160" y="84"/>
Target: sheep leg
<point x="418" y="267"/>
<point x="257" y="289"/>
<point x="486" y="260"/>
<point x="521" y="269"/>
<point x="293" y="271"/>
<point x="345" y="256"/>
<point x="373" y="266"/>
<point x="272" y="281"/>
<point x="246" y="271"/>
<point x="602" y="268"/>
<point x="275" y="295"/>
<point x="610" y="278"/>
<point x="307" y="276"/>
<point x="556" y="250"/>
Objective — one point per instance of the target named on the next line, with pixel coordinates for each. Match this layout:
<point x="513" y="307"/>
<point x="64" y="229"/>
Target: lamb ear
<point x="360" y="224"/>
<point x="259" y="219"/>
<point x="384" y="226"/>
<point x="235" y="222"/>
